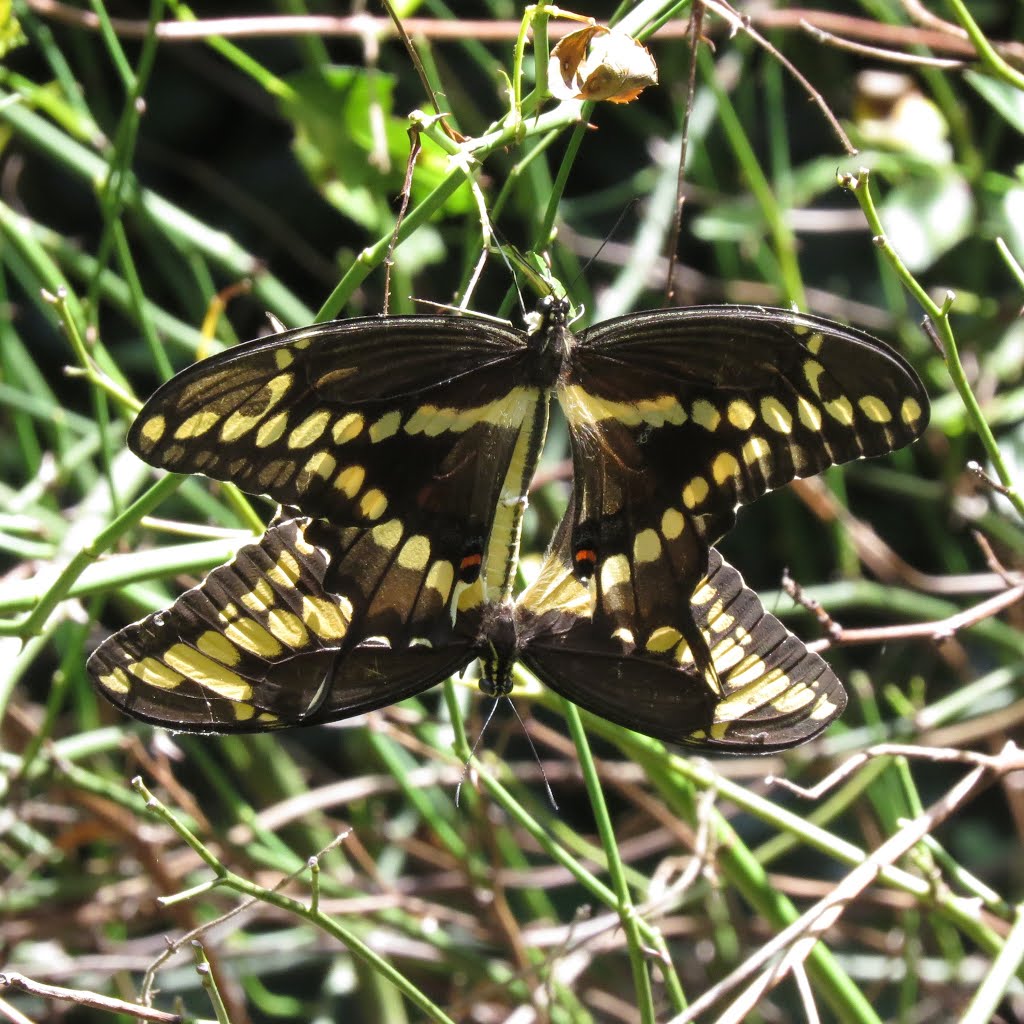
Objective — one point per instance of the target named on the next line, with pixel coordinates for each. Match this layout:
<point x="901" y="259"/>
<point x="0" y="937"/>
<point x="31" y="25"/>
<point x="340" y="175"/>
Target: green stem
<point x="860" y="186"/>
<point x="626" y="908"/>
<point x="986" y="52"/>
<point x="32" y="624"/>
<point x="348" y="938"/>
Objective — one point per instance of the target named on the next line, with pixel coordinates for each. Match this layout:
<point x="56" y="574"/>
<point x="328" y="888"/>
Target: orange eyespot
<point x="586" y="559"/>
<point x="469" y="567"/>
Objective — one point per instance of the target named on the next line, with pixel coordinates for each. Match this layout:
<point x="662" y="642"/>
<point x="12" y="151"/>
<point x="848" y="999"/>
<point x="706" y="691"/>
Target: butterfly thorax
<point x="551" y="342"/>
<point x="497" y="646"/>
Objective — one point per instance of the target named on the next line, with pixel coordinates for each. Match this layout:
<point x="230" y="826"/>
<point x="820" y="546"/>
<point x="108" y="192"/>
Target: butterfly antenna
<point x="696" y="32"/>
<point x="628" y="208"/>
<point x="472" y="751"/>
<point x="501" y="243"/>
<point x="536" y="756"/>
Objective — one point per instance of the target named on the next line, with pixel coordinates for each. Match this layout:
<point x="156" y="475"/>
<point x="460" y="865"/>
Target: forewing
<point x="766" y="691"/>
<point x="678" y="416"/>
<point x="358" y="421"/>
<point x="268" y="640"/>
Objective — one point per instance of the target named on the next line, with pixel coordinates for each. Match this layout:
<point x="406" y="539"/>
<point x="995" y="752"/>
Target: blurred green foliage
<point x="141" y="174"/>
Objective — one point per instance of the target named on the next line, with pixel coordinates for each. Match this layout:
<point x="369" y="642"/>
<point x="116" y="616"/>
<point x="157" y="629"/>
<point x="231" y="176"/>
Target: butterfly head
<point x="550" y="340"/>
<point x="552" y="311"/>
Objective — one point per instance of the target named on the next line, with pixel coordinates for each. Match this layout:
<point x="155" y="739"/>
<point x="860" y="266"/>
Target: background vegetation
<point x="149" y="166"/>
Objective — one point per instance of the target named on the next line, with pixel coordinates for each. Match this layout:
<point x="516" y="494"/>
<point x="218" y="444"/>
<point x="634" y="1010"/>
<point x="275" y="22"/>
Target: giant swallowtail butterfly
<point x="406" y="446"/>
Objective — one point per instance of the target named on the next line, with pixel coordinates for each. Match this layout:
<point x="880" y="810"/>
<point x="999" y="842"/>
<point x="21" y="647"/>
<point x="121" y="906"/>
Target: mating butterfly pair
<point x="402" y="448"/>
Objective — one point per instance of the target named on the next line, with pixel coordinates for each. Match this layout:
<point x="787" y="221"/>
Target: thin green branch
<point x="860" y="186"/>
<point x="228" y="879"/>
<point x="626" y="908"/>
<point x="986" y="51"/>
<point x="56" y="592"/>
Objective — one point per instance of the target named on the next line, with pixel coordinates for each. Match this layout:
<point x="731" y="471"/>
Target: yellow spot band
<point x="309" y="430"/>
<point x="695" y="492"/>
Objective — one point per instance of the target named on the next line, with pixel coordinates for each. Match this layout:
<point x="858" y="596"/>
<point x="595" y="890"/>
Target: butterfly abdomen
<point x="497" y="646"/>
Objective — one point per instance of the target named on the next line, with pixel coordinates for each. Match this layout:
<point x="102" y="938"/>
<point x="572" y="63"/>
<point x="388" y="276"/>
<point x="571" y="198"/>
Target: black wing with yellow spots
<point x="316" y="623"/>
<point x="676" y="417"/>
<point x="679" y="416"/>
<point x="412" y="421"/>
<point x="266" y="641"/>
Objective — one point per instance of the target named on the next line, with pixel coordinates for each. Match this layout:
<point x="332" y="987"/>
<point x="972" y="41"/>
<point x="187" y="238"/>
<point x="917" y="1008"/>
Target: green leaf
<point x="1007" y="101"/>
<point x="11" y="35"/>
<point x="925" y="217"/>
<point x="1011" y="222"/>
<point x="354" y="149"/>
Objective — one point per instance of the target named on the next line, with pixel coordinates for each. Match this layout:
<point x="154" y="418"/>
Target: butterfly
<point x="260" y="645"/>
<point x="421" y="434"/>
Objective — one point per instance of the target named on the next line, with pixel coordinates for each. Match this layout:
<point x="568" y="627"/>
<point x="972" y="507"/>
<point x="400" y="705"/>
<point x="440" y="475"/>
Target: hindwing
<point x="267" y="640"/>
<point x="765" y="691"/>
<point x="314" y="623"/>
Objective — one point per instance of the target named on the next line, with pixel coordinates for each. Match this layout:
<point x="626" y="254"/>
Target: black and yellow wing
<point x="316" y="623"/>
<point x="269" y="640"/>
<point x="403" y="448"/>
<point x="678" y="416"/>
<point x="767" y="691"/>
<point x="407" y="444"/>
<point x="417" y="421"/>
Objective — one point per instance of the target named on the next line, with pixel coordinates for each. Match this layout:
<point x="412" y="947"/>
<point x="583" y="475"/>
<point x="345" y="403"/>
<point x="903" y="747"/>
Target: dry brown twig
<point x="879" y="52"/>
<point x="356" y="25"/>
<point x="696" y="38"/>
<point x="919" y="13"/>
<point x="976" y="470"/>
<point x="790" y="947"/>
<point x="1011" y="579"/>
<point x="937" y="630"/>
<point x="741" y="23"/>
<point x="881" y="559"/>
<point x="944" y="38"/>
<point x="937" y="755"/>
<point x="82" y="997"/>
